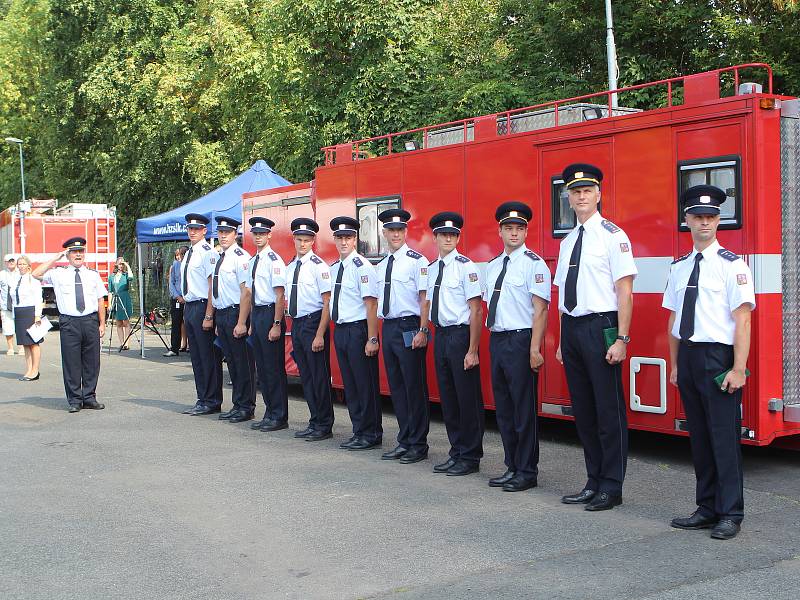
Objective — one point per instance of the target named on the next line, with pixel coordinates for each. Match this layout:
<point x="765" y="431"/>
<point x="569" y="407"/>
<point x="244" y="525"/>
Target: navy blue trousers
<point x="80" y="357"/>
<point x="241" y="365"/>
<point x="315" y="370"/>
<point x="270" y="360"/>
<point x="206" y="357"/>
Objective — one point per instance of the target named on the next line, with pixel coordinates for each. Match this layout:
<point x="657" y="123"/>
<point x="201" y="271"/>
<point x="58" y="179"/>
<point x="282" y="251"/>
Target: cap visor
<point x="703" y="210"/>
<point x="513" y="220"/>
<point x="577" y="184"/>
<point x="447" y="230"/>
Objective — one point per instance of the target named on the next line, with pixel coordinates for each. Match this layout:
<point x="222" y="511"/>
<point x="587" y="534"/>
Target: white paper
<point x="37" y="332"/>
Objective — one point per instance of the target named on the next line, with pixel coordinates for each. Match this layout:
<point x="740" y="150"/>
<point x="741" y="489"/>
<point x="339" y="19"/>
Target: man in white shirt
<point x="8" y="279"/>
<point x="80" y="295"/>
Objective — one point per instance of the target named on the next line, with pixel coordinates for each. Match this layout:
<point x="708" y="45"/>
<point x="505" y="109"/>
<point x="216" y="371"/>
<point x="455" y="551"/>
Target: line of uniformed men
<point x="235" y="305"/>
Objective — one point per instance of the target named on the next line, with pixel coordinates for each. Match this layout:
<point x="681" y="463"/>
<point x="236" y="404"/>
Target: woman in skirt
<point x="27" y="299"/>
<point x="120" y="303"/>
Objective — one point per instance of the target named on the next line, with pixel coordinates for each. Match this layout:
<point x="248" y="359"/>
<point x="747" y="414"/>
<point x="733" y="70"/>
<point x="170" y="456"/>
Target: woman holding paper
<point x="27" y="300"/>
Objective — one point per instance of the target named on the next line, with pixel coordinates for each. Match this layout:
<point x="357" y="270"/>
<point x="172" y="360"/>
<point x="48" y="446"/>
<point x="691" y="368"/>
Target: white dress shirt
<point x="313" y="281"/>
<point x="270" y="274"/>
<point x="359" y="281"/>
<point x="231" y="271"/>
<point x="200" y="267"/>
<point x="526" y="276"/>
<point x="63" y="281"/>
<point x="27" y="291"/>
<point x="460" y="282"/>
<point x="409" y="278"/>
<point x="606" y="257"/>
<point x="725" y="284"/>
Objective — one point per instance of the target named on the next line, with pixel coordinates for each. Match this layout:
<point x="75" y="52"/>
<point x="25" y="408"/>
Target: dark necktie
<point x="253" y="275"/>
<point x="571" y="289"/>
<point x="80" y="302"/>
<point x="496" y="294"/>
<point x="186" y="271"/>
<point x="387" y="286"/>
<point x="293" y="298"/>
<point x="690" y="300"/>
<point x="19" y="282"/>
<point x="435" y="302"/>
<point x="336" y="289"/>
<point x="215" y="281"/>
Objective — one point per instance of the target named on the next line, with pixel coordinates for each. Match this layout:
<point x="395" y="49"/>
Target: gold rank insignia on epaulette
<point x="610" y="226"/>
<point x="727" y="254"/>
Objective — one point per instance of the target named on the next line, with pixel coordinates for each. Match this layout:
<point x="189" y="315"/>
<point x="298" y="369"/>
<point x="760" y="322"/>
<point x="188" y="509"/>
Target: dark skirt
<point x="24" y="317"/>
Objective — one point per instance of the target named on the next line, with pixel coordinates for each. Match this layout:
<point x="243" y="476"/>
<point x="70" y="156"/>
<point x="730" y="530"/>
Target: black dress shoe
<point x="191" y="409"/>
<point x="73" y="408"/>
<point x="259" y="424"/>
<point x="413" y="456"/>
<point x="241" y="417"/>
<point x="604" y="501"/>
<point x="319" y="436"/>
<point x="397" y="452"/>
<point x="346" y="445"/>
<point x="581" y="497"/>
<point x="228" y="414"/>
<point x="364" y="444"/>
<point x="463" y="468"/>
<point x="93" y="405"/>
<point x="503" y="479"/>
<point x="725" y="529"/>
<point x="274" y="426"/>
<point x="695" y="521"/>
<point x="305" y="432"/>
<point x="445" y="466"/>
<point x="204" y="410"/>
<point x="520" y="483"/>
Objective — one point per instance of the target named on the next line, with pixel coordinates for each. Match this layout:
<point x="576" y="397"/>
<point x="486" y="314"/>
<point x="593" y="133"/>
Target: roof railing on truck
<point x="682" y="90"/>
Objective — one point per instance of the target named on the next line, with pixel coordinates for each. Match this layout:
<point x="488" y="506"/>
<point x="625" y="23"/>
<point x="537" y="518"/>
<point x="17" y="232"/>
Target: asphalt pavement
<point x="140" y="501"/>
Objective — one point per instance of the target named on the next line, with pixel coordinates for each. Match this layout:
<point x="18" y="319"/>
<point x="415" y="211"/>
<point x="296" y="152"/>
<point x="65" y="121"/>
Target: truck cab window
<point x="371" y="242"/>
<point x="722" y="172"/>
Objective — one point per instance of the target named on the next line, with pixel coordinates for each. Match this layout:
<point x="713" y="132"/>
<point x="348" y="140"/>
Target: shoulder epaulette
<point x="238" y="252"/>
<point x="272" y="256"/>
<point x="462" y="259"/>
<point x="498" y="256"/>
<point x="532" y="255"/>
<point x="727" y="254"/>
<point x="358" y="262"/>
<point x="206" y="247"/>
<point x="610" y="226"/>
<point x="316" y="260"/>
<point x="414" y="254"/>
<point x="680" y="258"/>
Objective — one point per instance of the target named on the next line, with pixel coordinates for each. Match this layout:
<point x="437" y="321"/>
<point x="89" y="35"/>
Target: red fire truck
<point x="38" y="228"/>
<point x="716" y="127"/>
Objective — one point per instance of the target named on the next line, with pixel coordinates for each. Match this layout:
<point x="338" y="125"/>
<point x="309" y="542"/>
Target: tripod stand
<point x="137" y="326"/>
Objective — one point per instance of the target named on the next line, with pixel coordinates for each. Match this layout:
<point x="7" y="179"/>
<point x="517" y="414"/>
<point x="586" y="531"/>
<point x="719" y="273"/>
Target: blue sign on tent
<point x="225" y="200"/>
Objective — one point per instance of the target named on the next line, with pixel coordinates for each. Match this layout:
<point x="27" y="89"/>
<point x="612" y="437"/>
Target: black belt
<point x="511" y="332"/>
<point x="692" y="344"/>
<point x="270" y="305"/>
<point x="447" y="328"/>
<point x="228" y="308"/>
<point x="91" y="314"/>
<point x="592" y="316"/>
<point x="408" y="318"/>
<point x="316" y="312"/>
<point x="351" y="323"/>
<point x="193" y="301"/>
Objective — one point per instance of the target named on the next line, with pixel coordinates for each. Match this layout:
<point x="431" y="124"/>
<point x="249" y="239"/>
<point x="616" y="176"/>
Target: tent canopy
<point x="225" y="200"/>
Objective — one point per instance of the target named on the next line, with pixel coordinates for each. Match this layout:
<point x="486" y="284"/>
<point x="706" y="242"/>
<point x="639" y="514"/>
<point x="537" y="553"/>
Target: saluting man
<point x="354" y="311"/>
<point x="457" y="313"/>
<point x="267" y="282"/>
<point x="517" y="294"/>
<point x="710" y="295"/>
<point x="309" y="300"/>
<point x="80" y="296"/>
<point x="595" y="279"/>
<point x="231" y="299"/>
<point x="197" y="270"/>
<point x="402" y="304"/>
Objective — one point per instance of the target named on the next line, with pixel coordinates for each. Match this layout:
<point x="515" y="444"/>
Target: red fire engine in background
<point x="38" y="228"/>
<point x="712" y="127"/>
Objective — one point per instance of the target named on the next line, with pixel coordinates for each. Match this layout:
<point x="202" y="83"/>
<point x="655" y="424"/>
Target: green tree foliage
<point x="145" y="104"/>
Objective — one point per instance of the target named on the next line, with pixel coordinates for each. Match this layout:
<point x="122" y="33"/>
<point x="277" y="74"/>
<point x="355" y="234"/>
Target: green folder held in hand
<point x="610" y="334"/>
<point x="721" y="377"/>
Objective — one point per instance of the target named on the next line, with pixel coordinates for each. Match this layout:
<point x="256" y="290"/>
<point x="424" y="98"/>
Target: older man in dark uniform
<point x="80" y="296"/>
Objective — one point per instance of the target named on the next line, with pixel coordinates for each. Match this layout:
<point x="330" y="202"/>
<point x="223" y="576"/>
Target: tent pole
<point x="141" y="294"/>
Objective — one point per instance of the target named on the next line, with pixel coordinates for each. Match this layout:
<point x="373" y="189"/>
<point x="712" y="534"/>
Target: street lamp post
<point x="611" y="54"/>
<point x="18" y="142"/>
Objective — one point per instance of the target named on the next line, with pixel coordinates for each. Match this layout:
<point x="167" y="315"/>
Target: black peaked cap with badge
<point x="74" y="243"/>
<point x="196" y="220"/>
<point x="446" y="222"/>
<point x="581" y="175"/>
<point x="395" y="218"/>
<point x="702" y="200"/>
<point x="345" y="226"/>
<point x="513" y="212"/>
<point x="304" y="226"/>
<point x="228" y="223"/>
<point x="260" y="224"/>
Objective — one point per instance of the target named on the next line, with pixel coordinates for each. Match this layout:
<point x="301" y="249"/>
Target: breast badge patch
<point x="326" y="275"/>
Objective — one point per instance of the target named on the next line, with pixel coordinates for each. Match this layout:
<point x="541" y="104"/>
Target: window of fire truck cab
<point x="721" y="171"/>
<point x="371" y="242"/>
<point x="564" y="219"/>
